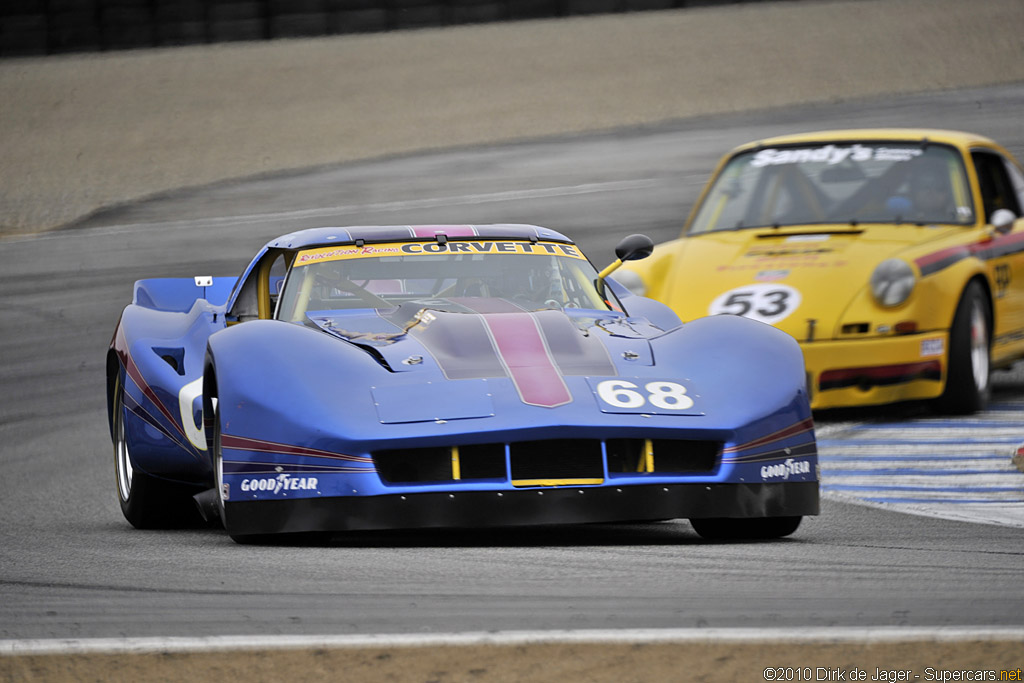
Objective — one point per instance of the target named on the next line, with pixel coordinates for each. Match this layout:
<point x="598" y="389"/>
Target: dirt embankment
<point x="81" y="132"/>
<point x="910" y="659"/>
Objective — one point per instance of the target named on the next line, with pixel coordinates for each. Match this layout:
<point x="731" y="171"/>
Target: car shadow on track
<point x="665" y="533"/>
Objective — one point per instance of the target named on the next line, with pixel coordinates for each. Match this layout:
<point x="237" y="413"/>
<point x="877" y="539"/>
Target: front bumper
<point x="860" y="372"/>
<point x="476" y="509"/>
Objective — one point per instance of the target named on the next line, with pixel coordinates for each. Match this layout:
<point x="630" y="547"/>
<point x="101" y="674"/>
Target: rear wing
<point x="178" y="294"/>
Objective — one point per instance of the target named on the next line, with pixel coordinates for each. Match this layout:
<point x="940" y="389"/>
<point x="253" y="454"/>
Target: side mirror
<point x="632" y="248"/>
<point x="1003" y="220"/>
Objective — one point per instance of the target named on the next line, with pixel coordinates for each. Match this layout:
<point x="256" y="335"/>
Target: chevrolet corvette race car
<point x="895" y="257"/>
<point x="397" y="377"/>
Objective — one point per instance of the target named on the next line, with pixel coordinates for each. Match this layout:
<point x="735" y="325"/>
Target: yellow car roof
<point x="951" y="137"/>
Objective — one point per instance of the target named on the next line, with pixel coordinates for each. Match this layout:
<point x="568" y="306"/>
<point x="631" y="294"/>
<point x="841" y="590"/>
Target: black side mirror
<point x="634" y="248"/>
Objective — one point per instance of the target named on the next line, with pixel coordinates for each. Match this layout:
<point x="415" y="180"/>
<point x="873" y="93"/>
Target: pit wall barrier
<point x="47" y="27"/>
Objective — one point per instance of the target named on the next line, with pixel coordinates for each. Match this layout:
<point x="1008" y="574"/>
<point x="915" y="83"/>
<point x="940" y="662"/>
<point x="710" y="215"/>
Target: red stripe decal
<point x="133" y="371"/>
<point x="936" y="256"/>
<point x="523" y="352"/>
<point x="985" y="249"/>
<point x="792" y="430"/>
<point x="258" y="445"/>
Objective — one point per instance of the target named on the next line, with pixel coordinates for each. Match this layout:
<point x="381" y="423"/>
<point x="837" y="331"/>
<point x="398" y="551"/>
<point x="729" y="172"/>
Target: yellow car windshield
<point x="849" y="183"/>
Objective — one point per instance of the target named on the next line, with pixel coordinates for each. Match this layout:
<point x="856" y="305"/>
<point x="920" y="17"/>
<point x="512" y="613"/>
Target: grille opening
<point x="624" y="455"/>
<point x="678" y="455"/>
<point x="549" y="461"/>
<point x="669" y="456"/>
<point x="419" y="465"/>
<point x="856" y="328"/>
<point x="482" y="461"/>
<point x="557" y="459"/>
<point x="414" y="465"/>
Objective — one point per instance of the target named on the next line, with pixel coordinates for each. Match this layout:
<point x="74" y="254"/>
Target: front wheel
<point x="223" y="492"/>
<point x="758" y="528"/>
<point x="146" y="501"/>
<point x="969" y="364"/>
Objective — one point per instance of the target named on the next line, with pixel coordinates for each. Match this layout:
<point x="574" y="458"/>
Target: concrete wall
<point x="43" y="27"/>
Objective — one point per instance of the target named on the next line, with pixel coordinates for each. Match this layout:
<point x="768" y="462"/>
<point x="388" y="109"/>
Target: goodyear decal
<point x="432" y="248"/>
<point x="783" y="470"/>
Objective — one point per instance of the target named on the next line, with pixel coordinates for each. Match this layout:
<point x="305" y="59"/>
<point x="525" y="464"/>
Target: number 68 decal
<point x="630" y="397"/>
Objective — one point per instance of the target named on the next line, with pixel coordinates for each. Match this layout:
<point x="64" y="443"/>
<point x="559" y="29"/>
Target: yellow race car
<point x="894" y="256"/>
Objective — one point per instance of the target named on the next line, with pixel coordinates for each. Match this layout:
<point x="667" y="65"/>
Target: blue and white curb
<point x="955" y="469"/>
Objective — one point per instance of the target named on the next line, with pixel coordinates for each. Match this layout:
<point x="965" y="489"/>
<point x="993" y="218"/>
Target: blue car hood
<point x="479" y="337"/>
<point x="492" y="338"/>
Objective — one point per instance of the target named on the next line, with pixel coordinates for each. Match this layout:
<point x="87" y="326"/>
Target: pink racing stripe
<point x="524" y="353"/>
<point x="449" y="230"/>
<point x="480" y="304"/>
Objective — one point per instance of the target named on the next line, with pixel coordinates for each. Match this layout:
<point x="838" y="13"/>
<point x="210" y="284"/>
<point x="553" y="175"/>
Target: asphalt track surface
<point x="73" y="569"/>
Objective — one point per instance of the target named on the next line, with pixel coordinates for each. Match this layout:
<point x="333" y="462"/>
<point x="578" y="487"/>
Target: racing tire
<point x="969" y="365"/>
<point x="217" y="455"/>
<point x="147" y="502"/>
<point x="732" y="529"/>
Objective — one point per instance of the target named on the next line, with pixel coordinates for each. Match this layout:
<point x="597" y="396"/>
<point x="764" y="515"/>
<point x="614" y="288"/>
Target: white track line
<point x="797" y="636"/>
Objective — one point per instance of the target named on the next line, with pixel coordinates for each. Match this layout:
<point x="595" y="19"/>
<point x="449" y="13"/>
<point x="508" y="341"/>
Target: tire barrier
<point x="46" y="27"/>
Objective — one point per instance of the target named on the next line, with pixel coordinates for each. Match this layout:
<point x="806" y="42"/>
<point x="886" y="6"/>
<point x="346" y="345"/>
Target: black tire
<point x="759" y="528"/>
<point x="969" y="364"/>
<point x="146" y="501"/>
<point x="217" y="457"/>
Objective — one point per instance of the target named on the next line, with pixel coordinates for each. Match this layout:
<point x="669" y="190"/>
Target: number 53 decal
<point x="765" y="302"/>
<point x="638" y="395"/>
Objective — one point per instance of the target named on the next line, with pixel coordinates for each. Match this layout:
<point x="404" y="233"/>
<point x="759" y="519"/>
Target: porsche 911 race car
<point x="398" y="377"/>
<point x="895" y="257"/>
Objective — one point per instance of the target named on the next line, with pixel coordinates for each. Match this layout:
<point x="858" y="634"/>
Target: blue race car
<point x="398" y="377"/>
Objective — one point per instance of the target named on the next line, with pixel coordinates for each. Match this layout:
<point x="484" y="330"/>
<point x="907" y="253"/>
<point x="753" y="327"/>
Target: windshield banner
<point x="433" y="248"/>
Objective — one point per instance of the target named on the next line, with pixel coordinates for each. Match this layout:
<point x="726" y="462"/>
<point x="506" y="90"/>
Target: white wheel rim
<point x="122" y="459"/>
<point x="218" y="457"/>
<point x="218" y="467"/>
<point x="979" y="348"/>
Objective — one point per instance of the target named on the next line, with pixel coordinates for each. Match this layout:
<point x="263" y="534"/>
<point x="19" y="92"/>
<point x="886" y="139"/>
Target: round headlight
<point x="892" y="282"/>
<point x="631" y="281"/>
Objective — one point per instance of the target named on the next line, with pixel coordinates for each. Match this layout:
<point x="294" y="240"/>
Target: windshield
<point x="853" y="183"/>
<point x="533" y="276"/>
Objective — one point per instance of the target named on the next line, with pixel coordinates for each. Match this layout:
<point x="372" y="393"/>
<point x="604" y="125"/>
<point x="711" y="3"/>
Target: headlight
<point x="892" y="282"/>
<point x="631" y="281"/>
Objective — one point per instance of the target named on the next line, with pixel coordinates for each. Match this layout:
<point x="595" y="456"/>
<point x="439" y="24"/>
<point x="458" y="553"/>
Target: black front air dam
<point x="525" y="507"/>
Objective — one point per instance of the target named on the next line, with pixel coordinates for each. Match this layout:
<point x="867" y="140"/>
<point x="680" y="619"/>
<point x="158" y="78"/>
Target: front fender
<point x="743" y="368"/>
<point x="275" y="379"/>
<point x="931" y="305"/>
